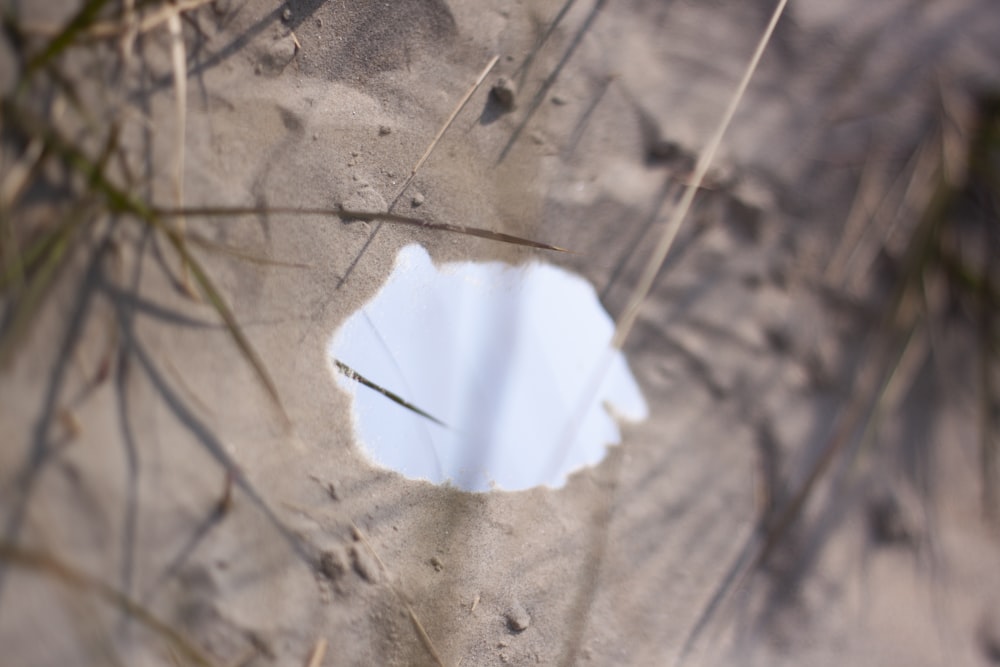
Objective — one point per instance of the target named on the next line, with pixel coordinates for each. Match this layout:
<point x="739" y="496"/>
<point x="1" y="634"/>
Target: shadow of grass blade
<point x="395" y="398"/>
<point x="366" y="216"/>
<point x="46" y="257"/>
<point x="883" y="356"/>
<point x="45" y="564"/>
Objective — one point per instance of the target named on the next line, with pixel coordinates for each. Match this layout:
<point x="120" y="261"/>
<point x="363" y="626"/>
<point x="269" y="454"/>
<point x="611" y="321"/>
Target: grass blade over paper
<point x="354" y="375"/>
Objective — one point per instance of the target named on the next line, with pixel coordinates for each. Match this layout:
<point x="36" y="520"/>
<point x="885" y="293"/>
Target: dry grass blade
<point x="49" y="565"/>
<point x="367" y="216"/>
<point x="901" y="315"/>
<point x="445" y="227"/>
<point x="222" y="308"/>
<point x="127" y="27"/>
<point x="27" y="260"/>
<point x="153" y="19"/>
<point x="456" y="229"/>
<point x="354" y="375"/>
<point x="645" y="284"/>
<point x="984" y="177"/>
<point x="416" y="167"/>
<point x="317" y="654"/>
<point x="130" y="29"/>
<point x="444" y="127"/>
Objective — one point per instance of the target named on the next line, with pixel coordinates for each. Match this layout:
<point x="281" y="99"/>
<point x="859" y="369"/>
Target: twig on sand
<point x="425" y="639"/>
<point x="344" y="214"/>
<point x="451" y="119"/>
<point x="642" y="290"/>
<point x="419" y="163"/>
<point x="178" y="58"/>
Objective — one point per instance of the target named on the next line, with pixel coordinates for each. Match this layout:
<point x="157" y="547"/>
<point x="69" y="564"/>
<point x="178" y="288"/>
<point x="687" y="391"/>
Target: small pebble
<point x="364" y="564"/>
<point x="558" y="100"/>
<point x="436" y="564"/>
<point x="517" y="617"/>
<point x="332" y="564"/>
<point x="989" y="634"/>
<point x="287" y="14"/>
<point x="384" y="130"/>
<point x="417" y="200"/>
<point x="504" y="93"/>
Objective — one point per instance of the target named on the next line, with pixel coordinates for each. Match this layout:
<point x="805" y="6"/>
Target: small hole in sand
<point x="515" y="361"/>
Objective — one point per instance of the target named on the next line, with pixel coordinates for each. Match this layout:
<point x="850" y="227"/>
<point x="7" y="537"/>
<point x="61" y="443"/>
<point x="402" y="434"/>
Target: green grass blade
<point x="87" y="15"/>
<point x="22" y="262"/>
<point x="367" y="216"/>
<point x="30" y="301"/>
<point x="46" y="564"/>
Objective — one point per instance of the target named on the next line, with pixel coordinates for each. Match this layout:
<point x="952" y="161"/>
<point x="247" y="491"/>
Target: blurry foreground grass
<point x="67" y="188"/>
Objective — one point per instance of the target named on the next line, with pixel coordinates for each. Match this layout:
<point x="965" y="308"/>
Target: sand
<point x="127" y="404"/>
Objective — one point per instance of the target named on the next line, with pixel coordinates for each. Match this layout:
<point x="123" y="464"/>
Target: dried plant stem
<point x="425" y="639"/>
<point x="444" y="127"/>
<point x="645" y="284"/>
<point x="419" y="163"/>
<point x="358" y="377"/>
<point x="317" y="654"/>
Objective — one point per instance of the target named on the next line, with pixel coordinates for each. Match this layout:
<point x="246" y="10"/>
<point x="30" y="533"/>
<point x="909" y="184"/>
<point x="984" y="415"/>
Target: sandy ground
<point x="129" y="401"/>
